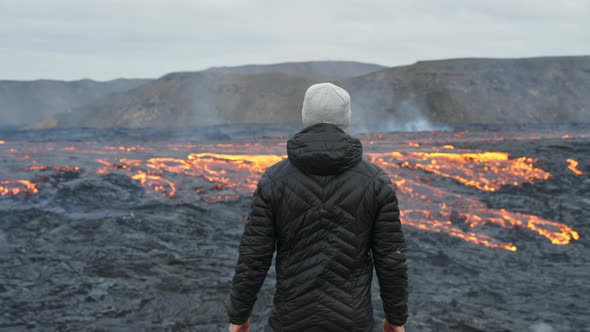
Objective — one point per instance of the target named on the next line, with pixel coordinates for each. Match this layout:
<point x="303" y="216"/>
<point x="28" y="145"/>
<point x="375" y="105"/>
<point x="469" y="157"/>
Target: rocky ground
<point x="105" y="258"/>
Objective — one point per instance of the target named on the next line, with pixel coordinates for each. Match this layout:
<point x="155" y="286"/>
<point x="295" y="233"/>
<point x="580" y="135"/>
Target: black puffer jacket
<point x="331" y="215"/>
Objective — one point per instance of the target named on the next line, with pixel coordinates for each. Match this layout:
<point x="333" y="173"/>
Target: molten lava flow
<point x="454" y="210"/>
<point x="469" y="211"/>
<point x="147" y="179"/>
<point x="425" y="220"/>
<point x="109" y="165"/>
<point x="573" y="166"/>
<point x="55" y="168"/>
<point x="224" y="168"/>
<point x="157" y="183"/>
<point x="15" y="187"/>
<point x="256" y="163"/>
<point x="486" y="171"/>
<point x="557" y="233"/>
<point x="461" y="133"/>
<point x="415" y="162"/>
<point x="236" y="173"/>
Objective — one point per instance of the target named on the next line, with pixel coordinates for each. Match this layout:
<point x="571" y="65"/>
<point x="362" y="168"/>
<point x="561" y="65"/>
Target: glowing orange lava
<point x="55" y="168"/>
<point x="157" y="183"/>
<point x="15" y="187"/>
<point x="461" y="133"/>
<point x="471" y="212"/>
<point x="485" y="171"/>
<point x="573" y="166"/>
<point x="217" y="172"/>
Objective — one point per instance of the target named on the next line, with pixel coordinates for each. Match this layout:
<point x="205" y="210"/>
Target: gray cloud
<point x="67" y="39"/>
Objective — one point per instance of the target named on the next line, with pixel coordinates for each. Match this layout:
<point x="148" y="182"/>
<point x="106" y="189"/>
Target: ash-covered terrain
<point x="138" y="230"/>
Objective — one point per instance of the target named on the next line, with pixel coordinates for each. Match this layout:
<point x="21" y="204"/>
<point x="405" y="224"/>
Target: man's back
<point x="330" y="214"/>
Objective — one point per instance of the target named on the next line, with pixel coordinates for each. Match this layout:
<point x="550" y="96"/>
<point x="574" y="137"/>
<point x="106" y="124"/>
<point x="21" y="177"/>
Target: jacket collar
<point x="324" y="149"/>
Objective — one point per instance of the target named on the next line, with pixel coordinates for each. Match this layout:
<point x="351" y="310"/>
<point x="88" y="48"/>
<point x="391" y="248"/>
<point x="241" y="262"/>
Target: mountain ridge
<point x="25" y="102"/>
<point x="429" y="92"/>
<point x="474" y="90"/>
<point x="210" y="96"/>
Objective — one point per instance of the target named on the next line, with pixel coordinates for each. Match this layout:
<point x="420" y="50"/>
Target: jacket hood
<point x="324" y="149"/>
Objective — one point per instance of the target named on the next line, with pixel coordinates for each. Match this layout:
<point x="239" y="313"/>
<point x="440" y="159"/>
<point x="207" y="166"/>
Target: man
<point x="331" y="215"/>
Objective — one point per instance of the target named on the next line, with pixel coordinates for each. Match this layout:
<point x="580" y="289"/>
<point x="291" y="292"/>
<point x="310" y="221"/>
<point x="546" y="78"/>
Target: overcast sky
<point x="106" y="39"/>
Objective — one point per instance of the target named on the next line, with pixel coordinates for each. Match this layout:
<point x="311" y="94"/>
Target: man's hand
<point x="388" y="327"/>
<point x="244" y="327"/>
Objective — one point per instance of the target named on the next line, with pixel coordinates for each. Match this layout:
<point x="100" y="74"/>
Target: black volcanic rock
<point x="93" y="252"/>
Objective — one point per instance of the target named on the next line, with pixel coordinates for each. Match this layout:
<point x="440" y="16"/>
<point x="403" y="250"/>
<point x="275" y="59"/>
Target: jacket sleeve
<point x="388" y="248"/>
<point x="256" y="249"/>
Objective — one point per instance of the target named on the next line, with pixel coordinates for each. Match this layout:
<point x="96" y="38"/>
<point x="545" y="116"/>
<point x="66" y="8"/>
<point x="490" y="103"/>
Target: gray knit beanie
<point x="326" y="102"/>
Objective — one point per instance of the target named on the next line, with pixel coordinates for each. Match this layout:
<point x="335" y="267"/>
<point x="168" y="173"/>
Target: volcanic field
<point x="112" y="230"/>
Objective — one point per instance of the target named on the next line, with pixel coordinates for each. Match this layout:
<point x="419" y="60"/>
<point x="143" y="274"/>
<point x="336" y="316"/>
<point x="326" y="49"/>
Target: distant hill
<point x="457" y="91"/>
<point x="24" y="102"/>
<point x="321" y="69"/>
<point x="464" y="91"/>
<point x="189" y="99"/>
<point x="243" y="94"/>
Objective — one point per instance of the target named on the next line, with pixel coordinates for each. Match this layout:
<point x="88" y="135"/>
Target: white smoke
<point x="542" y="327"/>
<point x="409" y="117"/>
<point x="415" y="120"/>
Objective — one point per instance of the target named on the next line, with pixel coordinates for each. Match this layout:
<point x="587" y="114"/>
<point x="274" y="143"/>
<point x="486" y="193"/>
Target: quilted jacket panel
<point x="332" y="216"/>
